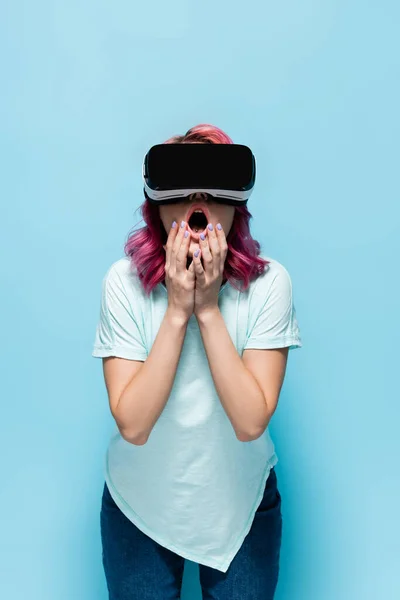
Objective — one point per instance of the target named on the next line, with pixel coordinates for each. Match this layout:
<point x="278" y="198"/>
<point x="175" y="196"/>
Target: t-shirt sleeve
<point x="276" y="323"/>
<point x="117" y="332"/>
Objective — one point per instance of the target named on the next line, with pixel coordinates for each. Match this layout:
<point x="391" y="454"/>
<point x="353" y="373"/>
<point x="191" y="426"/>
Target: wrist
<point x="176" y="318"/>
<point x="206" y="314"/>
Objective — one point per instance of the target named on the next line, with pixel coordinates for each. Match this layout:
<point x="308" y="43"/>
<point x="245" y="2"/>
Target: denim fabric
<point x="138" y="568"/>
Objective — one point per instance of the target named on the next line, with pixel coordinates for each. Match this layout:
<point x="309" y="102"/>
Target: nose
<point x="198" y="196"/>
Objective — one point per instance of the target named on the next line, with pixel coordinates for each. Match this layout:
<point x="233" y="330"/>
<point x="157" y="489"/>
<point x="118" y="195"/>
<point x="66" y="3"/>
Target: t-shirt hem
<point x="278" y="342"/>
<point x="187" y="554"/>
<point x="118" y="351"/>
<point x="270" y="464"/>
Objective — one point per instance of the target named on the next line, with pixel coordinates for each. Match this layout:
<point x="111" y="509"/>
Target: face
<point x="215" y="212"/>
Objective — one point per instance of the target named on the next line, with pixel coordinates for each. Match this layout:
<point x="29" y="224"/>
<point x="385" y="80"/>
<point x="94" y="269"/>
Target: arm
<point x="242" y="395"/>
<point x="249" y="387"/>
<point x="139" y="404"/>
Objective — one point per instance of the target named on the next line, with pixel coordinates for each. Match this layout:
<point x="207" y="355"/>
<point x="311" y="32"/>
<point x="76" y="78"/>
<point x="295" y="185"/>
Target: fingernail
<point x="203" y="237"/>
<point x="210" y="227"/>
<point x="173" y="224"/>
<point x="219" y="226"/>
<point x="183" y="224"/>
<point x="186" y="233"/>
<point x="196" y="253"/>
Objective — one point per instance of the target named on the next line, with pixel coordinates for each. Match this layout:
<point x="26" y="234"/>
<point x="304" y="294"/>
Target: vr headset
<point x="171" y="172"/>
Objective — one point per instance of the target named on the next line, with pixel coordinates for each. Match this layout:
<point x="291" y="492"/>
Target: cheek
<point x="166" y="218"/>
<point x="163" y="212"/>
<point x="167" y="215"/>
<point x="226" y="218"/>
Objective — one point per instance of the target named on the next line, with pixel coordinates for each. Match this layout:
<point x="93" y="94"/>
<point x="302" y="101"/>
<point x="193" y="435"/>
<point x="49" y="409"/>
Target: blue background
<point x="313" y="88"/>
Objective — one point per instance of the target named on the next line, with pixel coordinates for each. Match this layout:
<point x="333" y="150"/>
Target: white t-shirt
<point x="193" y="487"/>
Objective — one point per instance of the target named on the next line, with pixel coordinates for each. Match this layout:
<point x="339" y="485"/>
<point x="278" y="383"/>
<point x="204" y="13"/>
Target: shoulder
<point x="275" y="276"/>
<point x="122" y="270"/>
<point x="122" y="276"/>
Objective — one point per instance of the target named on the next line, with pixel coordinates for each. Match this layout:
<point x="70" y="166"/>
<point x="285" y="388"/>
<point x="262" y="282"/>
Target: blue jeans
<point x="138" y="568"/>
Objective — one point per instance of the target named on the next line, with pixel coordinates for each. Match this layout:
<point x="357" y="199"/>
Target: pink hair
<point x="145" y="247"/>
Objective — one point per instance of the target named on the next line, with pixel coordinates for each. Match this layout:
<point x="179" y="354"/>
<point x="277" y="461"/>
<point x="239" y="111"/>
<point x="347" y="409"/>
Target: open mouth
<point x="197" y="221"/>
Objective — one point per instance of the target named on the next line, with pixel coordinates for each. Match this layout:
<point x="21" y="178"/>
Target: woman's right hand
<point x="179" y="280"/>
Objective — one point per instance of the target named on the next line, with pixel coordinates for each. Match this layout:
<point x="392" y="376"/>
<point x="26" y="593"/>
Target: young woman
<point x="194" y="334"/>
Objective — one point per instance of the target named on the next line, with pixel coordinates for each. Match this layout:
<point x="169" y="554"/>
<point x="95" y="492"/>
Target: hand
<point x="214" y="249"/>
<point x="179" y="280"/>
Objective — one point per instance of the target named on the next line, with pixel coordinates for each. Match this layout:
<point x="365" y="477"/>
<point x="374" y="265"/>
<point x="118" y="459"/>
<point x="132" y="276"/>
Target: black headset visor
<point x="173" y="171"/>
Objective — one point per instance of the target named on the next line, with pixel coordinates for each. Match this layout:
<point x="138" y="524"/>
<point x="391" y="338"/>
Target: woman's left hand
<point x="214" y="249"/>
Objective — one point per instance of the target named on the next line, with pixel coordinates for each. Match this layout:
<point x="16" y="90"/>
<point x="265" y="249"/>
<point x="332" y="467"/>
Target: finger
<point x="176" y="246"/>
<point x="191" y="272"/>
<point x="206" y="252"/>
<point x="223" y="244"/>
<point x="198" y="267"/>
<point x="170" y="241"/>
<point x="182" y="253"/>
<point x="215" y="249"/>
